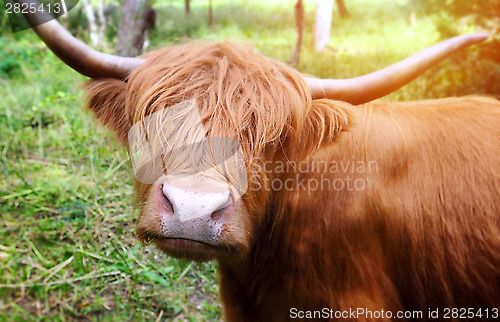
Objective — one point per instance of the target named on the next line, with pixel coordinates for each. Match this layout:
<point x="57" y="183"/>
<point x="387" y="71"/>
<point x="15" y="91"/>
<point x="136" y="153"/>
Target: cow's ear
<point x="106" y="99"/>
<point x="324" y="121"/>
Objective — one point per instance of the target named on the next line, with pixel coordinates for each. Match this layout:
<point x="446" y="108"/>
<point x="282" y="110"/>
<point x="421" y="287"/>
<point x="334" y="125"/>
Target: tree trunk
<point x="133" y="25"/>
<point x="187" y="7"/>
<point x="210" y="14"/>
<point x="323" y="23"/>
<point x="92" y="23"/>
<point x="299" y="21"/>
<point x="64" y="19"/>
<point x="343" y="12"/>
<point x="101" y="28"/>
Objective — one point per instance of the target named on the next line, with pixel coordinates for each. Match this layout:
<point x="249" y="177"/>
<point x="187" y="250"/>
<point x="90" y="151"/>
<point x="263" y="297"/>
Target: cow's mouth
<point x="185" y="248"/>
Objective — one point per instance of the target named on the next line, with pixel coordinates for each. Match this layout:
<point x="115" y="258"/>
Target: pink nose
<point x="188" y="212"/>
<point x="189" y="204"/>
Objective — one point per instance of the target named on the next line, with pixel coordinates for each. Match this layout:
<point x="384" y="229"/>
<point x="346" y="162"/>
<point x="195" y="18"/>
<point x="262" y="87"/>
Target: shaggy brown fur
<point x="425" y="233"/>
<point x="422" y="233"/>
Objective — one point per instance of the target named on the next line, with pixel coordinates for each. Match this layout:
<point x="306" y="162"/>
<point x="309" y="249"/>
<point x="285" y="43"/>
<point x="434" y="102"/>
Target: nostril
<point x="166" y="202"/>
<point x="224" y="210"/>
<point x="225" y="204"/>
<point x="222" y="214"/>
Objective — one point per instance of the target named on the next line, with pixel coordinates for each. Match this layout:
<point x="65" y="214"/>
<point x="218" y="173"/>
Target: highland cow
<point x="345" y="211"/>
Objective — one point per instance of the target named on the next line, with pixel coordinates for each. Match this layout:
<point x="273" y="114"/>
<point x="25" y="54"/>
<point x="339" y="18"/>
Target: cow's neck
<point x="262" y="282"/>
<point x="254" y="283"/>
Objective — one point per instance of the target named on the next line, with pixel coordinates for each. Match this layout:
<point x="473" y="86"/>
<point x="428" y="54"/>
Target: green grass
<point x="67" y="244"/>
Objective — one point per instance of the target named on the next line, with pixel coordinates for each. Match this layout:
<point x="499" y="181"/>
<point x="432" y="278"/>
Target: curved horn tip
<point x="477" y="37"/>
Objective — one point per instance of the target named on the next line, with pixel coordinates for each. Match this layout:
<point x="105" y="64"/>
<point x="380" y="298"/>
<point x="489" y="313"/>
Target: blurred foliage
<point x="14" y="56"/>
<point x="455" y="16"/>
<point x="476" y="70"/>
<point x="481" y="10"/>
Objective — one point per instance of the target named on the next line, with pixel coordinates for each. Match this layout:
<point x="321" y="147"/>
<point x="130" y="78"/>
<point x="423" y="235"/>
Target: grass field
<point x="67" y="244"/>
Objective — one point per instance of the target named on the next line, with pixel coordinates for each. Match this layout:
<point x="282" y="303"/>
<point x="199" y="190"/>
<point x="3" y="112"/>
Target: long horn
<point x="369" y="87"/>
<point x="75" y="53"/>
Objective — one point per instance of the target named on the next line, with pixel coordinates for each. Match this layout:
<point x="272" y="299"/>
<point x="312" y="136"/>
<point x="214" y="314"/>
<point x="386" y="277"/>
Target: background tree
<point x="322" y="23"/>
<point x="133" y="27"/>
<point x="210" y="14"/>
<point x="343" y="12"/>
<point x="299" y="21"/>
<point x="97" y="25"/>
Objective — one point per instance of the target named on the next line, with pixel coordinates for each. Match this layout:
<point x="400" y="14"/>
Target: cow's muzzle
<point x="187" y="218"/>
